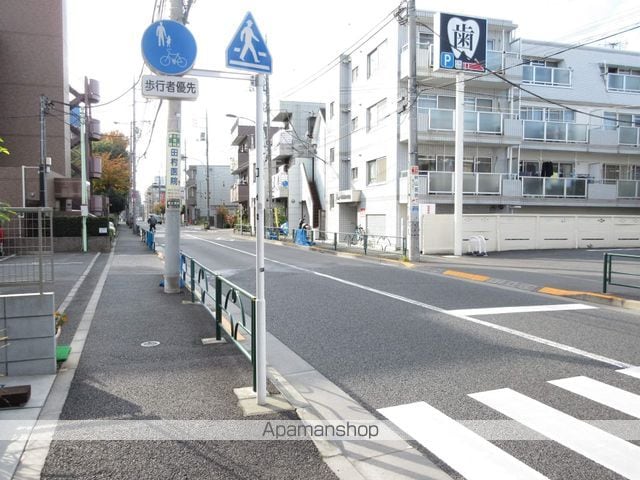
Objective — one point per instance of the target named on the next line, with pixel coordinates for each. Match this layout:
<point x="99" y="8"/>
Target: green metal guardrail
<point x="608" y="270"/>
<point x="225" y="301"/>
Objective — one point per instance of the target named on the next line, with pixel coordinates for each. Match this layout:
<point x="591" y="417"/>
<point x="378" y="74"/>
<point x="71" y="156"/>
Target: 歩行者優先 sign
<point x="461" y="43"/>
<point x="168" y="47"/>
<point x="172" y="88"/>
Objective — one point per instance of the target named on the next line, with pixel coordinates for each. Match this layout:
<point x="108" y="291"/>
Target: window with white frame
<point x="425" y="39"/>
<point x="547" y="114"/>
<point x="354" y="124"/>
<point x="474" y="104"/>
<point x="354" y="174"/>
<point x="354" y="74"/>
<point x="332" y="200"/>
<point x="613" y="120"/>
<point x="477" y="165"/>
<point x="375" y="114"/>
<point x="332" y="155"/>
<point x="377" y="171"/>
<point x="375" y="59"/>
<point x="332" y="109"/>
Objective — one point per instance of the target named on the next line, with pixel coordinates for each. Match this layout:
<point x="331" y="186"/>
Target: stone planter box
<point x="27" y="320"/>
<point x="74" y="244"/>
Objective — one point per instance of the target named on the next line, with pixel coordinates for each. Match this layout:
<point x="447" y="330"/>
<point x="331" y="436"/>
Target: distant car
<point x="158" y="218"/>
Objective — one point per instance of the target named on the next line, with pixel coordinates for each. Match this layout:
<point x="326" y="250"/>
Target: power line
<point x="367" y="36"/>
<point x="153" y="126"/>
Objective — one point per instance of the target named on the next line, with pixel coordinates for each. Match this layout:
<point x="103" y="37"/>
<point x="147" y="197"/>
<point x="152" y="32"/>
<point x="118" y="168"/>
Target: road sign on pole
<point x="248" y="50"/>
<point x="168" y="47"/>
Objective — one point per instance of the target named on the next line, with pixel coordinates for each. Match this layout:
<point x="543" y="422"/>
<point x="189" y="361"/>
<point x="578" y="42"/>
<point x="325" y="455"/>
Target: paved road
<point x="433" y="352"/>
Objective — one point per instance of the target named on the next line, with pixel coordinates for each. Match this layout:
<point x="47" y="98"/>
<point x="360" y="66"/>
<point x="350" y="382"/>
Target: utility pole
<point x="413" y="223"/>
<point x="44" y="109"/>
<point x="172" y="206"/>
<point x="84" y="208"/>
<point x="269" y="209"/>
<point x="134" y="192"/>
<point x="459" y="155"/>
<point x="206" y="146"/>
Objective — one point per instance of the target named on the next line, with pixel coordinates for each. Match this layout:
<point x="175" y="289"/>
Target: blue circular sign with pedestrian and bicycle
<point x="168" y="47"/>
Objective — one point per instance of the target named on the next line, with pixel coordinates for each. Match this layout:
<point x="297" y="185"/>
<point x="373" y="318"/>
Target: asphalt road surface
<point x="550" y="381"/>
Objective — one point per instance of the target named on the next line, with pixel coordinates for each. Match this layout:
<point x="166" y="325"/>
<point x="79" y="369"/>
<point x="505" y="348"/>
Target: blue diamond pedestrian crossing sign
<point x="248" y="50"/>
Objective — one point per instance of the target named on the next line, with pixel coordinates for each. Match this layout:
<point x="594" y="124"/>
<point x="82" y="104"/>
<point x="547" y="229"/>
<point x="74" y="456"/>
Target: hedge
<point x="65" y="226"/>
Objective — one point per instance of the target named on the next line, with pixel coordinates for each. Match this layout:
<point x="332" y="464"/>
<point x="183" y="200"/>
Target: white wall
<point x="532" y="232"/>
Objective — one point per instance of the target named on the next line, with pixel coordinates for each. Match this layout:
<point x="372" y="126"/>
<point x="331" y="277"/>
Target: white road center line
<point x="523" y="309"/>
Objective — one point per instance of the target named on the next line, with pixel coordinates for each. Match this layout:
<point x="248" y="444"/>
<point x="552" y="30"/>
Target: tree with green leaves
<point x="3" y="149"/>
<point x="115" y="180"/>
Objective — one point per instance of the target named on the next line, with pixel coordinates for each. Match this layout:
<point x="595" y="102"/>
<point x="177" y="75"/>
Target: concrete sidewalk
<point x="111" y="376"/>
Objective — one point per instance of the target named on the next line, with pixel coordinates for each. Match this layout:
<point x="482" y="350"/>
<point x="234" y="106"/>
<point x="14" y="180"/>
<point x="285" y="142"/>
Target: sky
<point x="104" y="43"/>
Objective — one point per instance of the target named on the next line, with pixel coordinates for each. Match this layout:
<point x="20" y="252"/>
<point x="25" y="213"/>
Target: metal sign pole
<point x="261" y="326"/>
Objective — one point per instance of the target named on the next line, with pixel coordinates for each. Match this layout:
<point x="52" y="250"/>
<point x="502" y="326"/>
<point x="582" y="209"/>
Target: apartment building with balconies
<point x="549" y="129"/>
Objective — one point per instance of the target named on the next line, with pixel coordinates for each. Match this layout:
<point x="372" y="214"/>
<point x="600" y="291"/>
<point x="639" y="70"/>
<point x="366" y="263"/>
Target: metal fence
<point x="232" y="308"/>
<point x="26" y="247"/>
<point x="627" y="271"/>
<point x="355" y="242"/>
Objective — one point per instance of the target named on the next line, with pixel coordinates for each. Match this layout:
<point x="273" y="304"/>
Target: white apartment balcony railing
<point x="554" y="187"/>
<point x="629" y="136"/>
<point x="555" y="131"/>
<point x="617" y="82"/>
<point x="628" y="188"/>
<point x="474" y="122"/>
<point x="480" y="184"/>
<point x="472" y="183"/>
<point x="239" y="192"/>
<point x="282" y="144"/>
<point x="441" y="183"/>
<point x="508" y="62"/>
<point x="552" y="76"/>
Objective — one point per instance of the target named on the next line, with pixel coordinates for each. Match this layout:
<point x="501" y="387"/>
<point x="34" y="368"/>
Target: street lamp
<point x="269" y="205"/>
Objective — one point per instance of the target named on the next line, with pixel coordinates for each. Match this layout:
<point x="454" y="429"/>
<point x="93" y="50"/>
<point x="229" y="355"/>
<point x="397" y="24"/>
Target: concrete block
<point x="28" y="305"/>
<point x="31" y="349"/>
<point x="32" y="367"/>
<point x="30" y="327"/>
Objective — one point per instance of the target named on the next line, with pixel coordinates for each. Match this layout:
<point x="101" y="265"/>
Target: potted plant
<point x="60" y="320"/>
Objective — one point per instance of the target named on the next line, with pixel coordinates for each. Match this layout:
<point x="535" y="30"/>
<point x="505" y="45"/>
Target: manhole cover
<point x="151" y="343"/>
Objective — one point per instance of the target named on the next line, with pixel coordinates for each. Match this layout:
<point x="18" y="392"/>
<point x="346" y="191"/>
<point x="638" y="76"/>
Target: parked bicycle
<point x="357" y="237"/>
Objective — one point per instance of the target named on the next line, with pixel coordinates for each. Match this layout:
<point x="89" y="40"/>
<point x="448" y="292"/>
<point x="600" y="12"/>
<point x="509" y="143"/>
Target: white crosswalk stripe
<point x="601" y="447"/>
<point x="632" y="372"/>
<point x="463" y="450"/>
<point x="613" y="397"/>
<point x="475" y="458"/>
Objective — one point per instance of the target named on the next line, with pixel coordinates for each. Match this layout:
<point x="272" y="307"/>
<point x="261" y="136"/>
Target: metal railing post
<point x="40" y="267"/>
<point x="606" y="272"/>
<point x="193" y="280"/>
<point x="335" y="241"/>
<point x="253" y="343"/>
<point x="365" y="239"/>
<point x="218" y="298"/>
